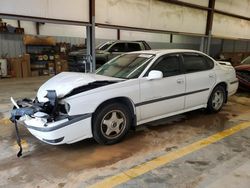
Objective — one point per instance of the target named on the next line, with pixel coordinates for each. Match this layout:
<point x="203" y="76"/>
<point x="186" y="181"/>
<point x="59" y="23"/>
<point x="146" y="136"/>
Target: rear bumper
<point x="64" y="131"/>
<point x="233" y="86"/>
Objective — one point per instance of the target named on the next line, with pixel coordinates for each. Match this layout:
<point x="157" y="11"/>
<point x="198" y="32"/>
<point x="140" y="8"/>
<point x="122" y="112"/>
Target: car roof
<point x="166" y="51"/>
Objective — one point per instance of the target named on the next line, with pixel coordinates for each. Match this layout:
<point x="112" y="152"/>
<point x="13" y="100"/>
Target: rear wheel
<point x="217" y="99"/>
<point x="111" y="123"/>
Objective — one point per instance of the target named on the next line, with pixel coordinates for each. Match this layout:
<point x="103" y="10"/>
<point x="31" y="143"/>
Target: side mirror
<point x="155" y="75"/>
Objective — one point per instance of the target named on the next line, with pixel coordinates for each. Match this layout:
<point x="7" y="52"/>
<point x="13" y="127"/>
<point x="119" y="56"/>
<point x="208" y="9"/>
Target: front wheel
<point x="216" y="99"/>
<point x="111" y="123"/>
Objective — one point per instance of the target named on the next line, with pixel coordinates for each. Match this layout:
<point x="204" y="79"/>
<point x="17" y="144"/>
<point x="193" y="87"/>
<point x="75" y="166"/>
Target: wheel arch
<point x="123" y="100"/>
<point x="225" y="86"/>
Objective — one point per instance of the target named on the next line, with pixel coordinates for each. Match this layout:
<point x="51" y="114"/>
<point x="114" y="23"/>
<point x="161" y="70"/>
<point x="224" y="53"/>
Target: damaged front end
<point x="60" y="114"/>
<point x="26" y="107"/>
<point x="31" y="112"/>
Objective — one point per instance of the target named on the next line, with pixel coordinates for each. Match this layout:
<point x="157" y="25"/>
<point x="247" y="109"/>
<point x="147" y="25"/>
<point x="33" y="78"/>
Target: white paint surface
<point x="138" y="90"/>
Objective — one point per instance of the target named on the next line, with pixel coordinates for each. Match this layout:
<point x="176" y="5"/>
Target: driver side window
<point x="118" y="47"/>
<point x="168" y="65"/>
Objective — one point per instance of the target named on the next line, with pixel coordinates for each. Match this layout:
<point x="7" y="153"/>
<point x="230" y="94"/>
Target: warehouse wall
<point x="197" y="2"/>
<point x="54" y="9"/>
<point x="49" y="29"/>
<point x="231" y="27"/>
<point x="146" y="14"/>
<point x="236" y="46"/>
<point x="141" y="14"/>
<point x="236" y="7"/>
<point x="77" y="34"/>
<point x="11" y="44"/>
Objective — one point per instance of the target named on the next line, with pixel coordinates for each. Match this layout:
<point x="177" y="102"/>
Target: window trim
<point x="198" y="55"/>
<point x="178" y="55"/>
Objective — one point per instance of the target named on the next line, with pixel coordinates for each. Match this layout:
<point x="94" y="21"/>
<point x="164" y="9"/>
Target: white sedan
<point x="130" y="90"/>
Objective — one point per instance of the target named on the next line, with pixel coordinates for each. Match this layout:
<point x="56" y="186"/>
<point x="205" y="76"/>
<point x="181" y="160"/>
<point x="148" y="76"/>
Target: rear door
<point x="200" y="78"/>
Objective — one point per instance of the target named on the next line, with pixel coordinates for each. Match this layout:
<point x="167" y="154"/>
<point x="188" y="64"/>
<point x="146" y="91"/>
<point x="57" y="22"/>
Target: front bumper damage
<point x="49" y="121"/>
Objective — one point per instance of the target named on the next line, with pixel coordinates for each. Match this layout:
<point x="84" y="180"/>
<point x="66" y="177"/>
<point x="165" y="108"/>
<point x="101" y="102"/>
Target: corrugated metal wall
<point x="11" y="44"/>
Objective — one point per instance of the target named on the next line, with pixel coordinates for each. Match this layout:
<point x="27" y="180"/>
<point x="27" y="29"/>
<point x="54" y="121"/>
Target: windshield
<point x="104" y="46"/>
<point x="246" y="61"/>
<point x="126" y="66"/>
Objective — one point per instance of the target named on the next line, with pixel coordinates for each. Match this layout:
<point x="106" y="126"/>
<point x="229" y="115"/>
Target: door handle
<point x="180" y="81"/>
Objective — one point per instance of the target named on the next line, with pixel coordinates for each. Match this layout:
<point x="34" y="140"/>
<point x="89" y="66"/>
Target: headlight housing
<point x="67" y="107"/>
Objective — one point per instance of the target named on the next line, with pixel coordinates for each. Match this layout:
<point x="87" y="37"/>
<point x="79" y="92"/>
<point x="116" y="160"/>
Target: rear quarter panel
<point x="226" y="73"/>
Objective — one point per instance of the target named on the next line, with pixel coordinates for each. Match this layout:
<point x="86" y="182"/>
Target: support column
<point x="118" y="34"/>
<point x="210" y="16"/>
<point x="202" y="44"/>
<point x="91" y="36"/>
<point x="37" y="28"/>
<point x="171" y="38"/>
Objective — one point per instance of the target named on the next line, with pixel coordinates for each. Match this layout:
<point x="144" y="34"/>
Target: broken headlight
<point x="67" y="107"/>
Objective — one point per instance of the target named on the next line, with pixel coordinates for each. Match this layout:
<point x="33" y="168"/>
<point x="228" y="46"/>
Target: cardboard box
<point x="26" y="72"/>
<point x="16" y="67"/>
<point x="35" y="40"/>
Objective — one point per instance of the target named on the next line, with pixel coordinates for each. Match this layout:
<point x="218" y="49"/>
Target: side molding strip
<point x="236" y="81"/>
<point x="169" y="97"/>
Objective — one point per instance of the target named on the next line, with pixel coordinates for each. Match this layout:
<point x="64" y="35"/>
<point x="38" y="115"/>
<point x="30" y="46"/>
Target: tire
<point x="216" y="99"/>
<point x="111" y="123"/>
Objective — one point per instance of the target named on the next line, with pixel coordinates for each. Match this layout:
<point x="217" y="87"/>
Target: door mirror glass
<point x="155" y="75"/>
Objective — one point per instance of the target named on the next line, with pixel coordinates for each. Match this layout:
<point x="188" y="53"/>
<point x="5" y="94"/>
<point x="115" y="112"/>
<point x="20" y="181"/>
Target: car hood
<point x="243" y="67"/>
<point x="65" y="82"/>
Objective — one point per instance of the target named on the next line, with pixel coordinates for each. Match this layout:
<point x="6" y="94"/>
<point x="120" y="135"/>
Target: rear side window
<point x="146" y="46"/>
<point x="169" y="66"/>
<point x="196" y="63"/>
<point x="133" y="47"/>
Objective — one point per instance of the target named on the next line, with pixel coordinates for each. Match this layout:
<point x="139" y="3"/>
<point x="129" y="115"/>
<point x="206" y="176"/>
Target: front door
<point x="163" y="96"/>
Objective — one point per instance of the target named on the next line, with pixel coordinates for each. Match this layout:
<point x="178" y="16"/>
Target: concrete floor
<point x="225" y="163"/>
